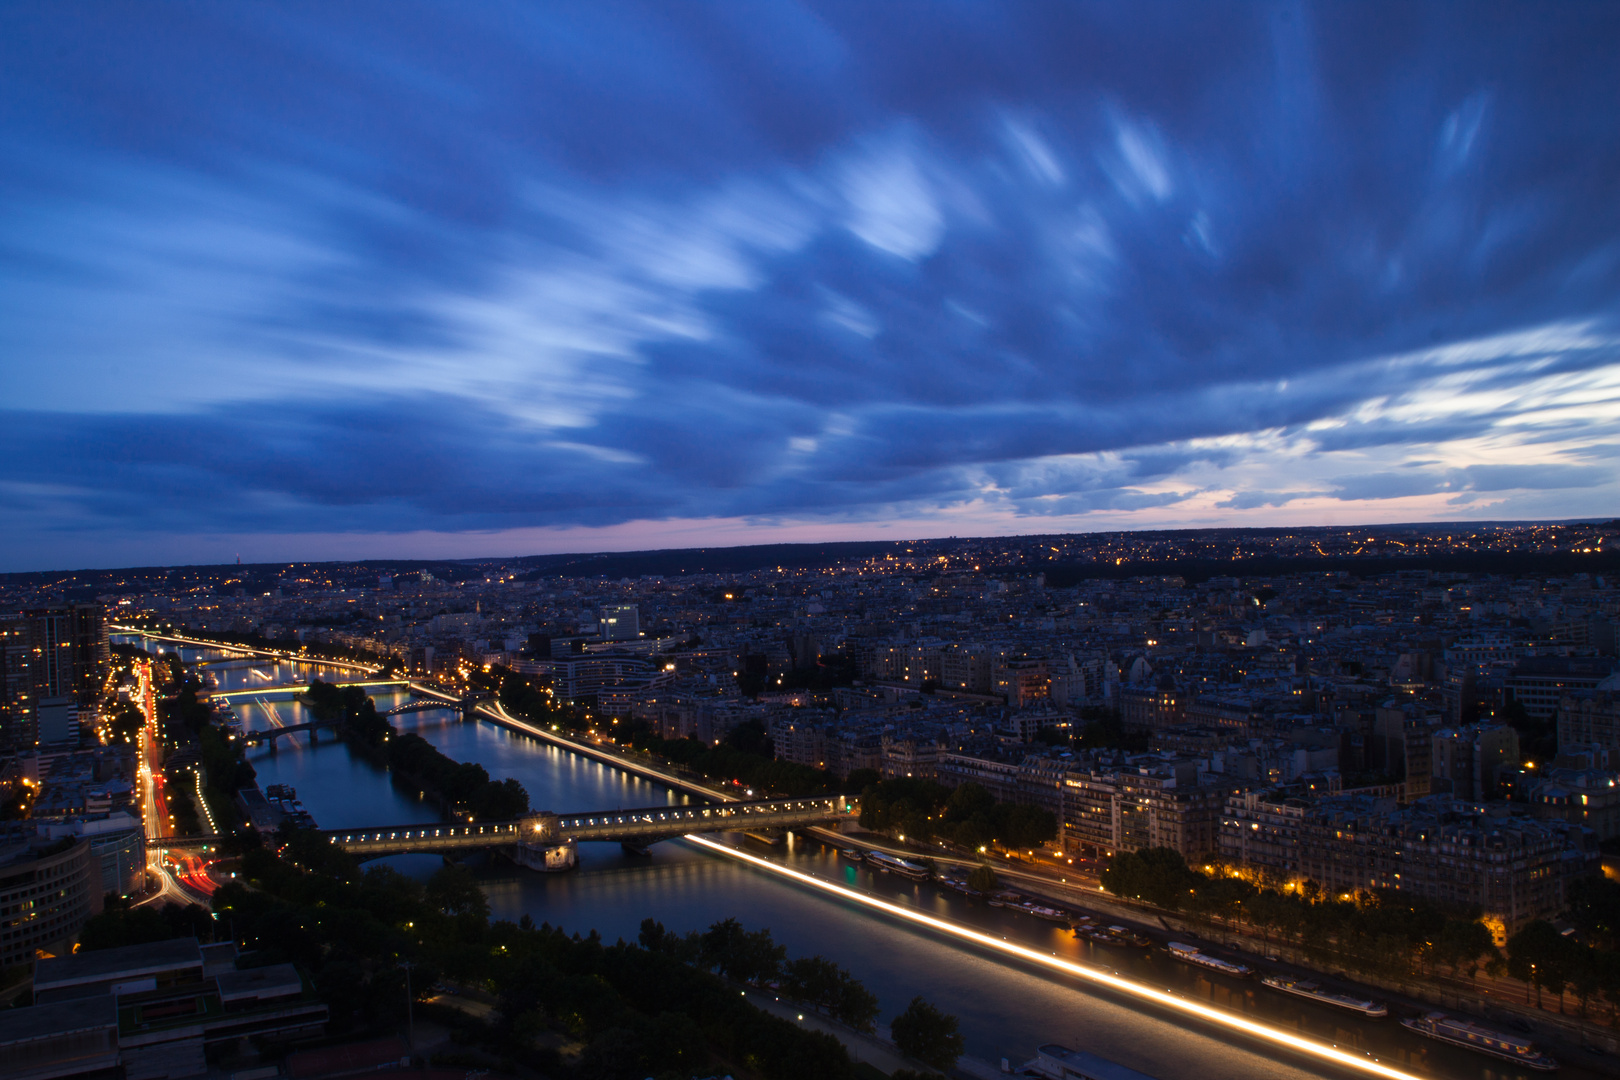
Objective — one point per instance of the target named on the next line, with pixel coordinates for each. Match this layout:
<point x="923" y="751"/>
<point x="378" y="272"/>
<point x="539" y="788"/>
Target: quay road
<point x="154" y="806"/>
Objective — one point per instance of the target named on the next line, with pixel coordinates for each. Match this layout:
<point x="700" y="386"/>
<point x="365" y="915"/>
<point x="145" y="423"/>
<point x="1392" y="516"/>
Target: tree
<point x="1461" y="943"/>
<point x="1587" y="975"/>
<point x="126" y="722"/>
<point x="654" y="938"/>
<point x="982" y="878"/>
<point x="1541" y="956"/>
<point x="824" y="985"/>
<point x="739" y="954"/>
<point x="861" y="779"/>
<point x="119" y="924"/>
<point x="925" y="1033"/>
<point x="1594" y="908"/>
<point x="1157" y="875"/>
<point x="454" y="891"/>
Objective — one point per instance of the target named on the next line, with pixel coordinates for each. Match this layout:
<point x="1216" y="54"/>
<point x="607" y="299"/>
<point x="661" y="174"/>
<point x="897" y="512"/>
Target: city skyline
<point x="294" y="283"/>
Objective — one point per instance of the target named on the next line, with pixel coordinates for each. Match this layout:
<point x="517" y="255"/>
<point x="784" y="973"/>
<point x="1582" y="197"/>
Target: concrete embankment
<point x="618" y="759"/>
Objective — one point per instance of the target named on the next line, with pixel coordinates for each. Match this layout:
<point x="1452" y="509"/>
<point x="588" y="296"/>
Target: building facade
<point x="1142" y="806"/>
<point x="53" y="664"/>
<point x="619" y="622"/>
<point x="1589" y="717"/>
<point x="1515" y="868"/>
<point x="46" y="895"/>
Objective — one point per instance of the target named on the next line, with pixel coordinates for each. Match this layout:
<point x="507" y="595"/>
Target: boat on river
<point x="1110" y="935"/>
<point x="1190" y="954"/>
<point x="953" y="879"/>
<point x="894" y="864"/>
<point x="1477" y="1037"/>
<point x="1041" y="911"/>
<point x="1311" y="991"/>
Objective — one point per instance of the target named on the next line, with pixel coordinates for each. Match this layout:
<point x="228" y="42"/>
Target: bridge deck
<point x="646" y="824"/>
<point x="295" y="688"/>
<point x="271" y="734"/>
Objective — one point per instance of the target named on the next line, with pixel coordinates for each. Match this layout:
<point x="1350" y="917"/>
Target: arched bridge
<point x="431" y="703"/>
<point x="642" y="826"/>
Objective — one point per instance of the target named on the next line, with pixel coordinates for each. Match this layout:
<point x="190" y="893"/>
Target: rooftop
<point x="276" y="980"/>
<point x="108" y="964"/>
<point x="48" y="1021"/>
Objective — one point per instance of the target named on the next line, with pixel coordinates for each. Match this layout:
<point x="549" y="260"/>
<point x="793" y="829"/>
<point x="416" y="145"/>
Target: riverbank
<point x="1569" y="1037"/>
<point x="618" y="759"/>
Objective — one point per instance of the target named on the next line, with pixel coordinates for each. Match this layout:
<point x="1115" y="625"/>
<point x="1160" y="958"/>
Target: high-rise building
<point x="53" y="662"/>
<point x="619" y="622"/>
<point x="16" y="685"/>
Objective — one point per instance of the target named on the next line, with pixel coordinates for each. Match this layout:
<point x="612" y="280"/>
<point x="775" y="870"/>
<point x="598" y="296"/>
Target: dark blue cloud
<point x="823" y="262"/>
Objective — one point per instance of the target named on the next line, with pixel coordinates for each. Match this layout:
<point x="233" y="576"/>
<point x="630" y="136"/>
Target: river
<point x="1005" y="1010"/>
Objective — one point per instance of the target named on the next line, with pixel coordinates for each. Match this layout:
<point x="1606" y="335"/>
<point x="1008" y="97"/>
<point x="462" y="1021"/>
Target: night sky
<point x="346" y="280"/>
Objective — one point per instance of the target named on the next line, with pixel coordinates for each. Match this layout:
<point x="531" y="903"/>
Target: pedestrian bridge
<point x="643" y="826"/>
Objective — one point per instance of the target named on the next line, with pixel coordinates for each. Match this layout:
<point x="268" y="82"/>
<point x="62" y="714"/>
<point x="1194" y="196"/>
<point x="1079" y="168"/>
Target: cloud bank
<point x="312" y="281"/>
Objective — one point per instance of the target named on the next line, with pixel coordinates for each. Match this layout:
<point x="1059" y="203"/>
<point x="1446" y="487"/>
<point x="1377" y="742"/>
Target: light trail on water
<point x="1232" y="1021"/>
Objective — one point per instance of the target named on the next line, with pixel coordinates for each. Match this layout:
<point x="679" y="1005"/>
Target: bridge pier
<point x="547" y="858"/>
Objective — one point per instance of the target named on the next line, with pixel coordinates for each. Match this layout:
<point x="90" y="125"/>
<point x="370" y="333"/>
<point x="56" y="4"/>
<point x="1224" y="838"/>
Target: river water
<point x="1005" y="1010"/>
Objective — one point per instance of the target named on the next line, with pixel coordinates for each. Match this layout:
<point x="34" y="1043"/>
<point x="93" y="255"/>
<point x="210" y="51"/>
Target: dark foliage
<point x="1387" y="932"/>
<point x="925" y="1033"/>
<point x="641" y="1009"/>
<point x="418" y="763"/>
<point x="746" y="758"/>
<point x="119" y="924"/>
<point x="968" y="816"/>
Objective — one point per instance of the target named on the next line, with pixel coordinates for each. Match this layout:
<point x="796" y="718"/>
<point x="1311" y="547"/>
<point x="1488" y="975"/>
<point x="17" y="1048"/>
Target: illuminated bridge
<point x="426" y="703"/>
<point x="643" y="826"/>
<point x="296" y="688"/>
<point x="548" y="830"/>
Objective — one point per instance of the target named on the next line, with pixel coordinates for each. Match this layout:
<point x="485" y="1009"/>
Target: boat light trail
<point x="1234" y="1021"/>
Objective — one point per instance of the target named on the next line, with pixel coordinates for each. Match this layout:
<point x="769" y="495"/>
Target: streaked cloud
<point x="556" y="277"/>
